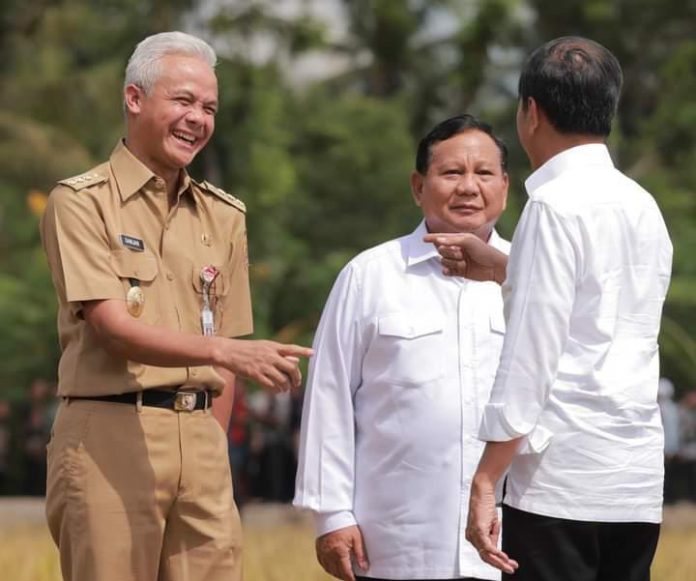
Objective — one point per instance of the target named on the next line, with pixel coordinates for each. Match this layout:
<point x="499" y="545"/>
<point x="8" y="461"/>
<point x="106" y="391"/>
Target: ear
<point x="506" y="179"/>
<point x="133" y="98"/>
<point x="533" y="115"/>
<point x="416" y="186"/>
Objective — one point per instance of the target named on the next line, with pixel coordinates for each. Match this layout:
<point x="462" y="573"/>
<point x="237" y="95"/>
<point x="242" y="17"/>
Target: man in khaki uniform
<point x="150" y="269"/>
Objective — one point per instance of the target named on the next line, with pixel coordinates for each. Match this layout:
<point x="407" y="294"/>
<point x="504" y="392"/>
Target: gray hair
<point x="143" y="67"/>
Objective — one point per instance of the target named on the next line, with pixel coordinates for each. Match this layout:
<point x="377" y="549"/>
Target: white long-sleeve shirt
<point x="404" y="362"/>
<point x="586" y="280"/>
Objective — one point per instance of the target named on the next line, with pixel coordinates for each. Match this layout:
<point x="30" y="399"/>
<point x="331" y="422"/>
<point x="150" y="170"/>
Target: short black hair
<point x="449" y="128"/>
<point x="576" y="82"/>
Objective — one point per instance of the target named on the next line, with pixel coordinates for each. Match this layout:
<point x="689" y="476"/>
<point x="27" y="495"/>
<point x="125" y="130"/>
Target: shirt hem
<point x="425" y="574"/>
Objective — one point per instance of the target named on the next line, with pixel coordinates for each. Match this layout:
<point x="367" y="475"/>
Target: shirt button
<point x="170" y="276"/>
<point x="194" y="372"/>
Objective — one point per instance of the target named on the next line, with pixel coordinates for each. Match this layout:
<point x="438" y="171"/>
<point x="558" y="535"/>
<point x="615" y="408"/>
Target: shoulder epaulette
<point x="84" y="180"/>
<point x="223" y="195"/>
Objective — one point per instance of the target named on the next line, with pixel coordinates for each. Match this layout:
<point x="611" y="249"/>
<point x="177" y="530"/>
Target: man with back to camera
<point x="573" y="411"/>
<point x="151" y="274"/>
<point x="405" y="358"/>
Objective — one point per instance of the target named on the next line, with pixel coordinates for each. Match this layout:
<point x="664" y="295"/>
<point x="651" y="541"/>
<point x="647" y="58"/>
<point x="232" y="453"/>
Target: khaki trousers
<point x="141" y="495"/>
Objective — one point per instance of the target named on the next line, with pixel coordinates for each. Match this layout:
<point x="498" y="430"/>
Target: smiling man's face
<point x="171" y="123"/>
<point x="465" y="187"/>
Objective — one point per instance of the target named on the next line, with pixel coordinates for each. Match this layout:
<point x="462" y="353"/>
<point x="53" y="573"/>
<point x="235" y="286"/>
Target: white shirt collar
<point x="591" y="154"/>
<point x="418" y="251"/>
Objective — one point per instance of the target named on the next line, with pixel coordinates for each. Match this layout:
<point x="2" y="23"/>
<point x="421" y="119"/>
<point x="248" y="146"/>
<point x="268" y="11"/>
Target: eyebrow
<point x="459" y="162"/>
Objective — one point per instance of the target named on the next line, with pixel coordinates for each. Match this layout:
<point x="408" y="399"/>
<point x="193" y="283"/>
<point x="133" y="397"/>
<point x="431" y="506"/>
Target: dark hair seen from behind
<point x="576" y="82"/>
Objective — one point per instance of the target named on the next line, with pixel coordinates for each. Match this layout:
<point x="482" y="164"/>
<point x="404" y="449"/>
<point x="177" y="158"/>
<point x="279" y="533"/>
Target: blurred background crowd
<point x="321" y="105"/>
<point x="263" y="438"/>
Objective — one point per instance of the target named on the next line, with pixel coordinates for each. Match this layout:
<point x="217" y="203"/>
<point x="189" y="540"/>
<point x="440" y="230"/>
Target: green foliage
<point x="324" y="169"/>
<point x="28" y="343"/>
<point x="353" y="160"/>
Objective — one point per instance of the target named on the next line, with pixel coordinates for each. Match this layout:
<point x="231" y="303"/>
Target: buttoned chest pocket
<point x="409" y="348"/>
<point x="138" y="269"/>
<point x="492" y="345"/>
<point x="497" y="322"/>
<point x="215" y="293"/>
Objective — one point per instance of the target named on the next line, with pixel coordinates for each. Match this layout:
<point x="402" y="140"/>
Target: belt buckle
<point x="185" y="401"/>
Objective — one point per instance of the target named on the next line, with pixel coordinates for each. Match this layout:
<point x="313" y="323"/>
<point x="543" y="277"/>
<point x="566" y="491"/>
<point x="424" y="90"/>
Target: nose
<point x="195" y="115"/>
<point x="467" y="185"/>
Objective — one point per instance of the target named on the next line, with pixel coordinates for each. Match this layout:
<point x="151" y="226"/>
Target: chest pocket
<point x="136" y="265"/>
<point x="497" y="321"/>
<point x="140" y="266"/>
<point x="218" y="291"/>
<point x="490" y="348"/>
<point x="219" y="288"/>
<point x="408" y="349"/>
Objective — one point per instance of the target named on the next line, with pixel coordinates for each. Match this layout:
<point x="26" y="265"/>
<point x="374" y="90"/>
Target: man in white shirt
<point x="573" y="412"/>
<point x="404" y="361"/>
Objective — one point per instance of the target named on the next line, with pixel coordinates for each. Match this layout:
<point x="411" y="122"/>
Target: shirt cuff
<point x="496" y="428"/>
<point x="326" y="522"/>
<point x="494" y="425"/>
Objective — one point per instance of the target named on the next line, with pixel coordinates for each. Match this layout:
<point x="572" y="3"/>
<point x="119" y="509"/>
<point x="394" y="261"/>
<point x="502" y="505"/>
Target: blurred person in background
<point x="5" y="444"/>
<point x="687" y="450"/>
<point x="238" y="443"/>
<point x="405" y="359"/>
<point x="151" y="274"/>
<point x="35" y="420"/>
<point x="273" y="458"/>
<point x="573" y="418"/>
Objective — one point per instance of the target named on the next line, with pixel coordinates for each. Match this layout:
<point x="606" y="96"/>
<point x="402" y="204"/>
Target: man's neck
<point x="551" y="143"/>
<point x="171" y="177"/>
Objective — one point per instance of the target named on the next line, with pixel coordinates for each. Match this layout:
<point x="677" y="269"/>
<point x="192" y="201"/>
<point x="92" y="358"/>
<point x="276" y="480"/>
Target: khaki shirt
<point x="111" y="228"/>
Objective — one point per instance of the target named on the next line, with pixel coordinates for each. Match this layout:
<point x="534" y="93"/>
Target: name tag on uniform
<point x="132" y="243"/>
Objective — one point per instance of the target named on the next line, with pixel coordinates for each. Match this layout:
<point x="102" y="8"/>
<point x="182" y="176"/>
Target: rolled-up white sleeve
<point x="326" y="464"/>
<point x="539" y="293"/>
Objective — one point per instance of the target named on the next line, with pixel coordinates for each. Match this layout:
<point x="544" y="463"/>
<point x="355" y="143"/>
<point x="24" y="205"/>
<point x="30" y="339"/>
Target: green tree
<point x="324" y="168"/>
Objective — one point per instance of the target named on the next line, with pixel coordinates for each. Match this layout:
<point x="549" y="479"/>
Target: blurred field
<point x="279" y="545"/>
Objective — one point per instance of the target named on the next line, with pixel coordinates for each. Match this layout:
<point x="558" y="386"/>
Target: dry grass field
<point x="279" y="546"/>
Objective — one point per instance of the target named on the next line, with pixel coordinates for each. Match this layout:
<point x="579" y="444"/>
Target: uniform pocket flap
<point x="137" y="265"/>
<point x="409" y="326"/>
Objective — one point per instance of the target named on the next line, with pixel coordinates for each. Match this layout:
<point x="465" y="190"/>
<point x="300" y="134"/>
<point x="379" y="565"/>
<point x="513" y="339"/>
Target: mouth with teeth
<point x="189" y="140"/>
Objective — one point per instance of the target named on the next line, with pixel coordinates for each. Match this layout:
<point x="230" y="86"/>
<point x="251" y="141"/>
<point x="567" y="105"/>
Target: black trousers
<point x="555" y="549"/>
<point x="457" y="579"/>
